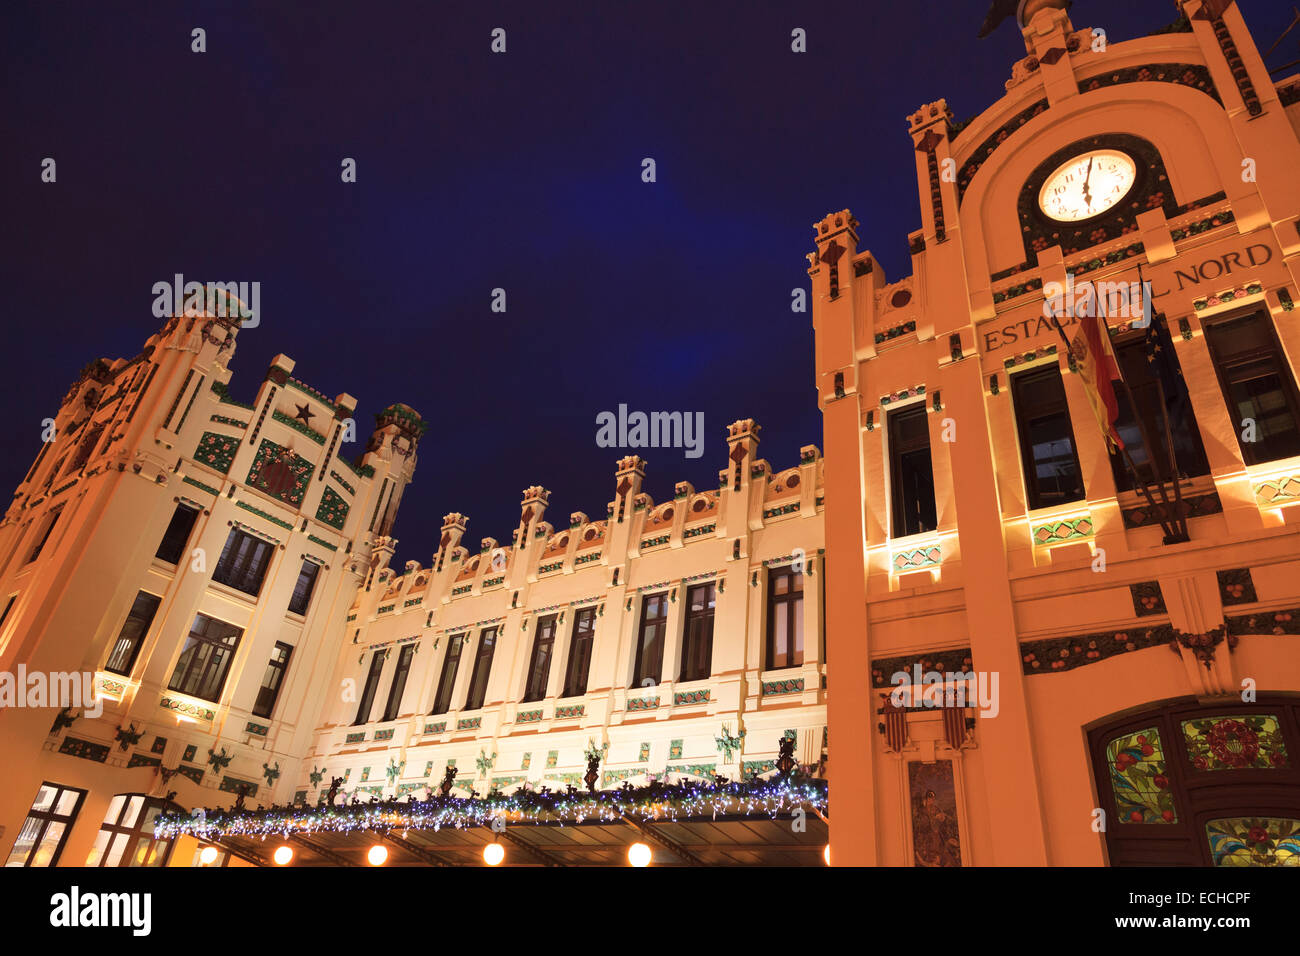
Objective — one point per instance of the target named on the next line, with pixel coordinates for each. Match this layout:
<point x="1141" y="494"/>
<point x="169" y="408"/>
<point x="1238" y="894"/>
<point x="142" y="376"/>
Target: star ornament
<point x="305" y="414"/>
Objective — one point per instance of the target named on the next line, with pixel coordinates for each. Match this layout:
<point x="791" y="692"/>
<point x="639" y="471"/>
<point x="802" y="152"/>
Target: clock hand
<point x="1087" y="193"/>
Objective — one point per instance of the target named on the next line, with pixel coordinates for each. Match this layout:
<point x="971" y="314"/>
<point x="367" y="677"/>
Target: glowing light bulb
<point x="378" y="855"/>
<point x="638" y="854"/>
<point x="826" y="854"/>
<point x="282" y="856"/>
<point x="493" y="854"/>
<point x="208" y="855"/>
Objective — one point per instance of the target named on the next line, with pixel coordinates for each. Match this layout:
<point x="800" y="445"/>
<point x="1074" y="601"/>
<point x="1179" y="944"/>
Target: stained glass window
<point x="1138" y="778"/>
<point x="1254" y="841"/>
<point x="1234" y="743"/>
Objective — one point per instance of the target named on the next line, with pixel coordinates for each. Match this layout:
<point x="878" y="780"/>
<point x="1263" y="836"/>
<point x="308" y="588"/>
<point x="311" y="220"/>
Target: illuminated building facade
<point x="1147" y="672"/>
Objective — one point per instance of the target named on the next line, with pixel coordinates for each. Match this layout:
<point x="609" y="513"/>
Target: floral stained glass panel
<point x="1241" y="741"/>
<point x="1139" y="780"/>
<point x="1254" y="841"/>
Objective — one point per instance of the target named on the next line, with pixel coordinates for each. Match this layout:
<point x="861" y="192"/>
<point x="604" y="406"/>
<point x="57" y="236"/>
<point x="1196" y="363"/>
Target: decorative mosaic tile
<point x="234" y="785"/>
<point x="159" y="745"/>
<point x="528" y="717"/>
<point x="188" y="708"/>
<point x="365" y="774"/>
<point x="674" y="750"/>
<point x="572" y="710"/>
<point x="528" y="759"/>
<point x="1147" y="598"/>
<point x="333" y="510"/>
<point x="1196" y="506"/>
<point x="569" y="779"/>
<point x="385" y="734"/>
<point x="355" y="738"/>
<point x="217" y="451"/>
<point x="645" y="752"/>
<point x="280" y="472"/>
<point x="469" y="723"/>
<point x="1066" y="653"/>
<point x="405" y="788"/>
<point x="1236" y="587"/>
<point x="751" y="767"/>
<point x="884" y="668"/>
<point x="695" y="769"/>
<point x="143" y="760"/>
<point x="1277" y="490"/>
<point x="193" y="773"/>
<point x="692" y="697"/>
<point x="437" y="728"/>
<point x="508" y="781"/>
<point x="775" y="688"/>
<point x="552" y="758"/>
<point x="259" y="729"/>
<point x="190" y="751"/>
<point x="927" y="557"/>
<point x="614" y="776"/>
<point x="643" y="703"/>
<point x="428" y="768"/>
<point x="1056" y="532"/>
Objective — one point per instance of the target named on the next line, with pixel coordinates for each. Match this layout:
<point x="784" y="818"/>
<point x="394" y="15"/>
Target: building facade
<point x="1141" y="650"/>
<point x="191" y="558"/>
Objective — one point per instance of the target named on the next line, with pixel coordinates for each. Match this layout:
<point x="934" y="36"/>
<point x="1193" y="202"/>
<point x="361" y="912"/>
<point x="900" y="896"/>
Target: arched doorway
<point x="1192" y="784"/>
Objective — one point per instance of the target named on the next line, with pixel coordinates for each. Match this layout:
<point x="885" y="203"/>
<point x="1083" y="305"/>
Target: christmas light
<point x="378" y="855"/>
<point x="656" y="802"/>
<point x="283" y="854"/>
<point x="493" y="854"/>
<point x="638" y="854"/>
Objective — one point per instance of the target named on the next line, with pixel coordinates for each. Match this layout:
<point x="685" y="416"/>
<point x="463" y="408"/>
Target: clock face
<point x="1087" y="185"/>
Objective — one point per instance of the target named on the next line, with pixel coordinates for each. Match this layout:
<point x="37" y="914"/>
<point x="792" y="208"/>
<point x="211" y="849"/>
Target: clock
<point x="1089" y="184"/>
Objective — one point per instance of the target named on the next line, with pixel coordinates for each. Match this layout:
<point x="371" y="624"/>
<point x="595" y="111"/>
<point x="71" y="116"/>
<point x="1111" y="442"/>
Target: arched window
<point x="1193" y="784"/>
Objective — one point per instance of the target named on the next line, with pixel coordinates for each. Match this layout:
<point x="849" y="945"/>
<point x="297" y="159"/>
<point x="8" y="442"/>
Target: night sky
<point x="477" y="171"/>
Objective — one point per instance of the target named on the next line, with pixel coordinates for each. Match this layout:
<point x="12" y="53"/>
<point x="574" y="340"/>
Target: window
<point x="399" y="682"/>
<point x="1257" y="385"/>
<point x="1047" y="448"/>
<point x="650" y="640"/>
<point x="784" y="618"/>
<point x="50" y="520"/>
<point x="447" y="680"/>
<point x="41" y="839"/>
<point x="1201" y="784"/>
<point x="1146" y="379"/>
<point x="177" y="534"/>
<point x="243" y="562"/>
<point x="302" y="589"/>
<point x="272" y="679"/>
<point x="372" y="684"/>
<point x="910" y="472"/>
<point x="127" y="835"/>
<point x="132" y="635"/>
<point x="487" y="640"/>
<point x="584" y="627"/>
<point x="539" y="668"/>
<point x="205" y="658"/>
<point x="697" y="650"/>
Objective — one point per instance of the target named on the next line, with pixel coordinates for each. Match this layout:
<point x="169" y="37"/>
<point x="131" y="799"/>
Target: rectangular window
<point x="584" y="628"/>
<point x="205" y="658"/>
<point x="141" y="615"/>
<point x="784" y="618"/>
<point x="697" y="648"/>
<point x="177" y="535"/>
<point x="910" y="472"/>
<point x="394" y="704"/>
<point x="302" y="589"/>
<point x="1047" y="447"/>
<point x="243" y="562"/>
<point x="372" y="685"/>
<point x="539" y="667"/>
<point x="1147" y="372"/>
<point x="41" y="839"/>
<point x="447" y="680"/>
<point x="650" y="640"/>
<point x="478" y="680"/>
<point x="50" y="520"/>
<point x="127" y="838"/>
<point x="1257" y="385"/>
<point x="272" y="678"/>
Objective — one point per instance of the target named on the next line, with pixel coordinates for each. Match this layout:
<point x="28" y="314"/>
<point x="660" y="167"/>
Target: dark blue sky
<point x="477" y="171"/>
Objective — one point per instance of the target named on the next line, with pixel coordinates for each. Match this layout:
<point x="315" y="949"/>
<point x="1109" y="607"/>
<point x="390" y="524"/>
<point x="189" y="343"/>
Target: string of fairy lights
<point x="657" y="802"/>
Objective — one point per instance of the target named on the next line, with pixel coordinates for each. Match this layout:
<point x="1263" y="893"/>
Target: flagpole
<point x="1128" y="459"/>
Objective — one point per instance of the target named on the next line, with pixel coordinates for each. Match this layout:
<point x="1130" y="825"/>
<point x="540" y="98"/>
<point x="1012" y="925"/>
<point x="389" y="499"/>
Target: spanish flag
<point x="1098" y="369"/>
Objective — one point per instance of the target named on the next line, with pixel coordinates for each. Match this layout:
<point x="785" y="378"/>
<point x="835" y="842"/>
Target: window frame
<point x="50" y="519"/>
<point x="204" y="665"/>
<point x="282" y="669"/>
<point x="310" y="591"/>
<point x="1283" y="370"/>
<point x="1033" y="494"/>
<point x="179" y="546"/>
<point x="138" y="641"/>
<point x="580" y="659"/>
<point x="648" y="664"/>
<point x="537" y="674"/>
<point x="367" y="702"/>
<point x="693" y="636"/>
<point x="898" y="448"/>
<point x="47" y="817"/>
<point x="793" y="599"/>
<point x="229" y="563"/>
<point x="393" y="705"/>
<point x="135" y="832"/>
<point x="486" y="638"/>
